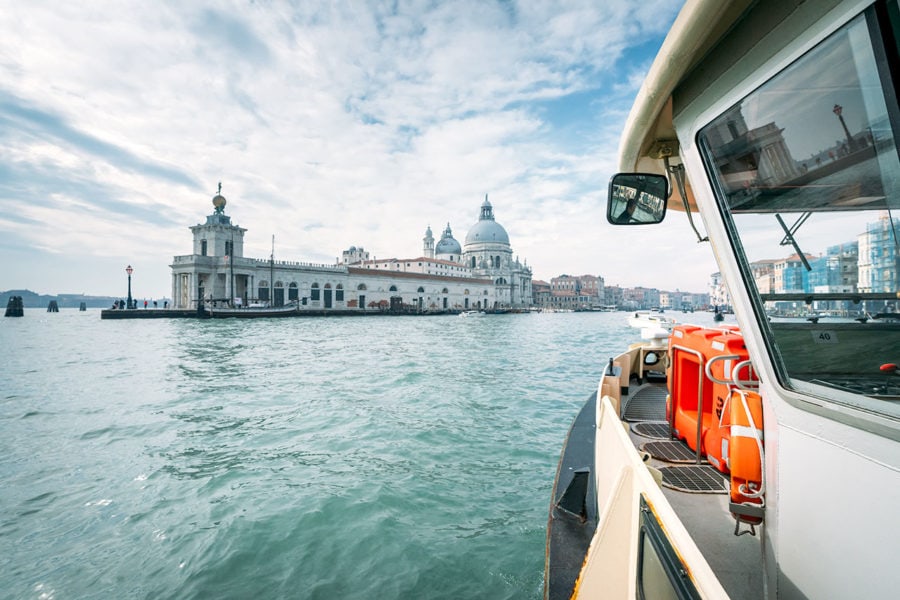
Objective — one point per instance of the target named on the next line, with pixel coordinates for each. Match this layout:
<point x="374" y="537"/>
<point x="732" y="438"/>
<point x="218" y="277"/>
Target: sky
<point x="329" y="125"/>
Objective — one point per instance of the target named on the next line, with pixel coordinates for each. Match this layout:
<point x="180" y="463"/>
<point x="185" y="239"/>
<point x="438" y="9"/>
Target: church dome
<point x="448" y="245"/>
<point x="487" y="230"/>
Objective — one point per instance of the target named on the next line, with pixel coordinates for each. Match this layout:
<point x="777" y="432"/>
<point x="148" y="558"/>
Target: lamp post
<point x="839" y="110"/>
<point x="129" y="270"/>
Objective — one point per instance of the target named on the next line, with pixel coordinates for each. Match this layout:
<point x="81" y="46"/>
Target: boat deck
<point x="697" y="492"/>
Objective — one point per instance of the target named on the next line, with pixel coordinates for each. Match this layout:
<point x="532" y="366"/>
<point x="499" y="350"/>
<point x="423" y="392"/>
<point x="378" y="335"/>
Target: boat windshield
<point x="807" y="175"/>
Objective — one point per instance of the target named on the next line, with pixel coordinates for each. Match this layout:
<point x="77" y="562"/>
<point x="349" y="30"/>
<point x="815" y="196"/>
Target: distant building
<point x="639" y="298"/>
<point x="614" y="295"/>
<point x="482" y="275"/>
<point x="541" y="292"/>
<point x="868" y="265"/>
<point x="570" y="292"/>
<point x="879" y="257"/>
<point x="679" y="300"/>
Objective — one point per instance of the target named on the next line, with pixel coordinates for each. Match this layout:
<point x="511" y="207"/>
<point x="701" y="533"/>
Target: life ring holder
<point x="742" y="508"/>
<point x="750" y="384"/>
<point x="743" y="387"/>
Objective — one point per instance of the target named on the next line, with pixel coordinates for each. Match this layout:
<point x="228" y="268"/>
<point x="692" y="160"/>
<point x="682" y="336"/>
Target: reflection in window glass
<point x="807" y="173"/>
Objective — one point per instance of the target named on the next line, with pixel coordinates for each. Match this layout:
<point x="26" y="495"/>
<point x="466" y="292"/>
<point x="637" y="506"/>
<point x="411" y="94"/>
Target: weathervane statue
<point x="219" y="200"/>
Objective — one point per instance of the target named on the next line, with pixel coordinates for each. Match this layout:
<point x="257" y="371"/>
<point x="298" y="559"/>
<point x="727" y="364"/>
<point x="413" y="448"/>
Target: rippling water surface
<point x="379" y="457"/>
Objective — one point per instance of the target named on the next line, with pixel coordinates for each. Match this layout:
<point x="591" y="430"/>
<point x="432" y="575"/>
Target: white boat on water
<point x="760" y="460"/>
<point x="472" y="313"/>
<point x="652" y="319"/>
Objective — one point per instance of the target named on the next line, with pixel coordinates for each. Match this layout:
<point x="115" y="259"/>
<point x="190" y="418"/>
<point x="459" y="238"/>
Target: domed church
<point x="486" y="253"/>
<point x="482" y="274"/>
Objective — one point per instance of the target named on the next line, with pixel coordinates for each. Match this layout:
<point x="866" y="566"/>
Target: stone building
<point x="481" y="275"/>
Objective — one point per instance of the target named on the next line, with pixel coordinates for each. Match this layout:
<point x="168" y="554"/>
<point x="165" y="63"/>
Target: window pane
<point x="653" y="583"/>
<point x="808" y="176"/>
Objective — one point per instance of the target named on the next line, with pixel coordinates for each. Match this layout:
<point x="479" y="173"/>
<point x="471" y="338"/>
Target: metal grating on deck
<point x="673" y="451"/>
<point x="658" y="430"/>
<point x="702" y="479"/>
<point x="647" y="404"/>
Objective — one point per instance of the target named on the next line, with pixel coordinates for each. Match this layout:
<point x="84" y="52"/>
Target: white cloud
<point x="329" y="125"/>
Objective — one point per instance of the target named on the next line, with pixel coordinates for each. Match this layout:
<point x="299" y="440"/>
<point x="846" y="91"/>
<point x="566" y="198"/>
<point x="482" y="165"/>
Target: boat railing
<point x="733" y="374"/>
<point x="628" y="498"/>
<point x="700" y="390"/>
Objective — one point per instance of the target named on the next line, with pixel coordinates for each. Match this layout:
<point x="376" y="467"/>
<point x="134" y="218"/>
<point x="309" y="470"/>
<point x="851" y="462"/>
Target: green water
<point x="383" y="457"/>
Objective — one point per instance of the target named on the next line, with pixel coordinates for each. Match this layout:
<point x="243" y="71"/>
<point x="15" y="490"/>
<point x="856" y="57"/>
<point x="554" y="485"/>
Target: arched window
<point x="314" y="292"/>
<point x="292" y="291"/>
<point x="262" y="292"/>
<point x="393" y="288"/>
<point x="421" y="290"/>
<point x="473" y="262"/>
<point x="361" y="287"/>
<point x="444" y="291"/>
<point x="339" y="293"/>
<point x="466" y="292"/>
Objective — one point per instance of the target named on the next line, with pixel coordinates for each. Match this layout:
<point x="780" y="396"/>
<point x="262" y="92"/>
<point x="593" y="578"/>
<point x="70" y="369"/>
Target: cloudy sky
<point x="329" y="125"/>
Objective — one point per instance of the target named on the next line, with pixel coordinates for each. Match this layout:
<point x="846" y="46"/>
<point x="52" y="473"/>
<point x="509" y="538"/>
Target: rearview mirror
<point x="637" y="199"/>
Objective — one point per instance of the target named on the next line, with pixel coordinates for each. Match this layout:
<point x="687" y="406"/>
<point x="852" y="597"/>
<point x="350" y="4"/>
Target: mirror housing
<point x="637" y="199"/>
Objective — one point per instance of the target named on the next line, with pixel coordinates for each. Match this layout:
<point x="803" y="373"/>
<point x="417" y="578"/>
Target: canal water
<point x="379" y="457"/>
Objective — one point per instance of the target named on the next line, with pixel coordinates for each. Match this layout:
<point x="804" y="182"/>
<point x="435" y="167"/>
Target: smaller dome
<point x="448" y="244"/>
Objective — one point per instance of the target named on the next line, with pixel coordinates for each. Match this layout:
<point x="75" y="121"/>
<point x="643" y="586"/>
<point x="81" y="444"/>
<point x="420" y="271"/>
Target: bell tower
<point x="428" y="249"/>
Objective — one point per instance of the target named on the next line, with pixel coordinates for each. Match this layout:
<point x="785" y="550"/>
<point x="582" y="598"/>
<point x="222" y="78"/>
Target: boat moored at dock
<point x="253" y="312"/>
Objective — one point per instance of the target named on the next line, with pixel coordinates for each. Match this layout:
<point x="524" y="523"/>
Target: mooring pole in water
<point x="53" y="306"/>
<point x="15" y="307"/>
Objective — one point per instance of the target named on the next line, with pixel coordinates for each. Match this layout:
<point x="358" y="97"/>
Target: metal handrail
<point x="734" y="379"/>
<point x="701" y="362"/>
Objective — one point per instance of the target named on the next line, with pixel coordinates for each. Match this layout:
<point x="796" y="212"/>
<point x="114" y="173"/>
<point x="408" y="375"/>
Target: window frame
<point x="882" y="22"/>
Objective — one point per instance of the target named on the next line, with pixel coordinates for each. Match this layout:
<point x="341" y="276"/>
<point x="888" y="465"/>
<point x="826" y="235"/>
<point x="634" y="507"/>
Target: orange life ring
<point x="746" y="456"/>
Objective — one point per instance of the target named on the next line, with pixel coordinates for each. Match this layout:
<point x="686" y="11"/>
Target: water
<point x="382" y="457"/>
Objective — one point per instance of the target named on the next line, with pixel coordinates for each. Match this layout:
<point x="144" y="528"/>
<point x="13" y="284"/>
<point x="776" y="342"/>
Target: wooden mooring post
<point x="15" y="307"/>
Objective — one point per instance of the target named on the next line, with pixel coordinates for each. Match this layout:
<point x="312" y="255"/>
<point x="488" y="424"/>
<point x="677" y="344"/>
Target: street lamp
<point x="839" y="110"/>
<point x="129" y="270"/>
